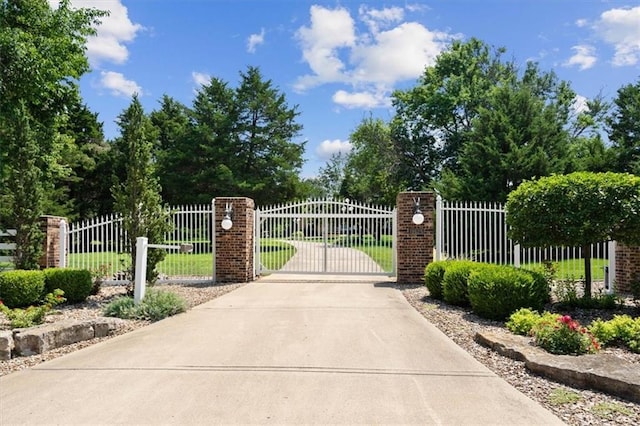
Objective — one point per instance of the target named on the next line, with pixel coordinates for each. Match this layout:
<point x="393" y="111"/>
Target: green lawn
<point x="574" y="268"/>
<point x="274" y="253"/>
<point x="382" y="255"/>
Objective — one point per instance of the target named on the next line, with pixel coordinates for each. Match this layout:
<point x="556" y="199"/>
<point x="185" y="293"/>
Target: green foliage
<point x="522" y="321"/>
<point x="433" y="276"/>
<point x="155" y="305"/>
<point x="76" y="283"/>
<point x="496" y="291"/>
<point x="577" y="209"/>
<point x="454" y="281"/>
<point x="624" y="128"/>
<point x="560" y="396"/>
<point x="21" y="288"/>
<point x="33" y="315"/>
<point x="564" y="336"/>
<point x="231" y="141"/>
<point x="519" y="134"/>
<point x="610" y="410"/>
<point x="43" y="56"/>
<point x="621" y="329"/>
<point x="137" y="198"/>
<point x="121" y="307"/>
<point x="372" y="168"/>
<point x="158" y="305"/>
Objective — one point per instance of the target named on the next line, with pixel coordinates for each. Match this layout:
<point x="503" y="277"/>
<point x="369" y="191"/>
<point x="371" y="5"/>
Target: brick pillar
<point x="415" y="243"/>
<point x="234" y="248"/>
<point x="50" y="226"/>
<point x="627" y="267"/>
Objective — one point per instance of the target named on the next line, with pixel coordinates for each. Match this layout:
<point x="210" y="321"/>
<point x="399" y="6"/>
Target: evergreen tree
<point x="624" y="129"/>
<point x="137" y="196"/>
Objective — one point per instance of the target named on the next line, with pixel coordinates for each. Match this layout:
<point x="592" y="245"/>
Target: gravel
<point x="590" y="408"/>
<point x="586" y="408"/>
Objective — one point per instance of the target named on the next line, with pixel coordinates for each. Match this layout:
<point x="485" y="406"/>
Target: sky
<point x="339" y="61"/>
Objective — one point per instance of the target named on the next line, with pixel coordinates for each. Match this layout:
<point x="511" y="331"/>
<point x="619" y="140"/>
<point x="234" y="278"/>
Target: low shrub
<point x="433" y="274"/>
<point x="155" y="305"/>
<point x="621" y="329"/>
<point x="524" y="320"/>
<point x="495" y="291"/>
<point x="454" y="281"/>
<point x="120" y="307"/>
<point x="33" y="315"/>
<point x="21" y="288"/>
<point x="76" y="283"/>
<point x="564" y="336"/>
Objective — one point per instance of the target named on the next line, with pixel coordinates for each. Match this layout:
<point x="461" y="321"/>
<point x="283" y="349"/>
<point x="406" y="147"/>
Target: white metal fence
<point x="478" y="231"/>
<point x="328" y="237"/>
<point x="7" y="248"/>
<point x="100" y="245"/>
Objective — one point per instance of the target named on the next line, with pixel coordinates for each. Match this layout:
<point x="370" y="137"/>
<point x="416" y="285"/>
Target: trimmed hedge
<point x="20" y="288"/>
<point x="433" y="274"/>
<point x="496" y="291"/>
<point x="454" y="281"/>
<point x="77" y="284"/>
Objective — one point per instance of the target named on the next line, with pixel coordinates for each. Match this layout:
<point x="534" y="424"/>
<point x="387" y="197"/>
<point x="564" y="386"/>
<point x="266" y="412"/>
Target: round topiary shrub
<point x="21" y="288"/>
<point x="433" y="274"/>
<point x="498" y="290"/>
<point x="77" y="284"/>
<point x="454" y="281"/>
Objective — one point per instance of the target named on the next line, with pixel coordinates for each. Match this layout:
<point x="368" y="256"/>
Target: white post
<point x="439" y="227"/>
<point x="612" y="266"/>
<point x="516" y="255"/>
<point x="141" y="269"/>
<point x="63" y="243"/>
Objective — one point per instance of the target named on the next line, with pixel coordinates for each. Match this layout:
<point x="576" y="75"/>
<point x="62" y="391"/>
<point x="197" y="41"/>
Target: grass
<point x="560" y="396"/>
<point x="381" y="254"/>
<point x="274" y="253"/>
<point x="610" y="409"/>
<point x="574" y="268"/>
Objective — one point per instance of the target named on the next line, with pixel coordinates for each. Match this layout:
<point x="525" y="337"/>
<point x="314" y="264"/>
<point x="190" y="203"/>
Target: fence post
<point x="611" y="273"/>
<point x="516" y="255"/>
<point x="439" y="227"/>
<point x="141" y="269"/>
<point x="63" y="243"/>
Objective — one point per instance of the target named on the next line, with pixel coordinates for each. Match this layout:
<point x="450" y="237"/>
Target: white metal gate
<point x="325" y="237"/>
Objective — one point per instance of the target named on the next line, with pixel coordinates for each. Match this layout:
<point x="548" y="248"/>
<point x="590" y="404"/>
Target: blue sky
<point x="339" y="61"/>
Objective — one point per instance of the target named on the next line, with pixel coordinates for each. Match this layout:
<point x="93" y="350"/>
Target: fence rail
<point x="478" y="231"/>
<point x="7" y="247"/>
<point x="101" y="245"/>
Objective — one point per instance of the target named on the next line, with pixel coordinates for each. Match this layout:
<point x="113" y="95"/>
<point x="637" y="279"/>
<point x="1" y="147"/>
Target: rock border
<point x="43" y="338"/>
<point x="600" y="372"/>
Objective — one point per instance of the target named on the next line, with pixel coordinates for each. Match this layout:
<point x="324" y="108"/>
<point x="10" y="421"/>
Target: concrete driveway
<point x="274" y="353"/>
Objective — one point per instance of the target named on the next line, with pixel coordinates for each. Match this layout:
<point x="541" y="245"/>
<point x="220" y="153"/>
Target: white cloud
<point x="118" y="85"/>
<point x="584" y="57"/>
<point x="579" y="104"/>
<point x="114" y="32"/>
<point x="255" y="40"/>
<point x="330" y="30"/>
<point x="380" y="18"/>
<point x="200" y="78"/>
<point x="370" y="58"/>
<point x="581" y="23"/>
<point x="328" y="148"/>
<point x="366" y="100"/>
<point x="621" y="29"/>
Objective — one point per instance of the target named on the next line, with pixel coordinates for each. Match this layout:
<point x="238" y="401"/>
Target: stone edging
<point x="43" y="338"/>
<point x="600" y="372"/>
